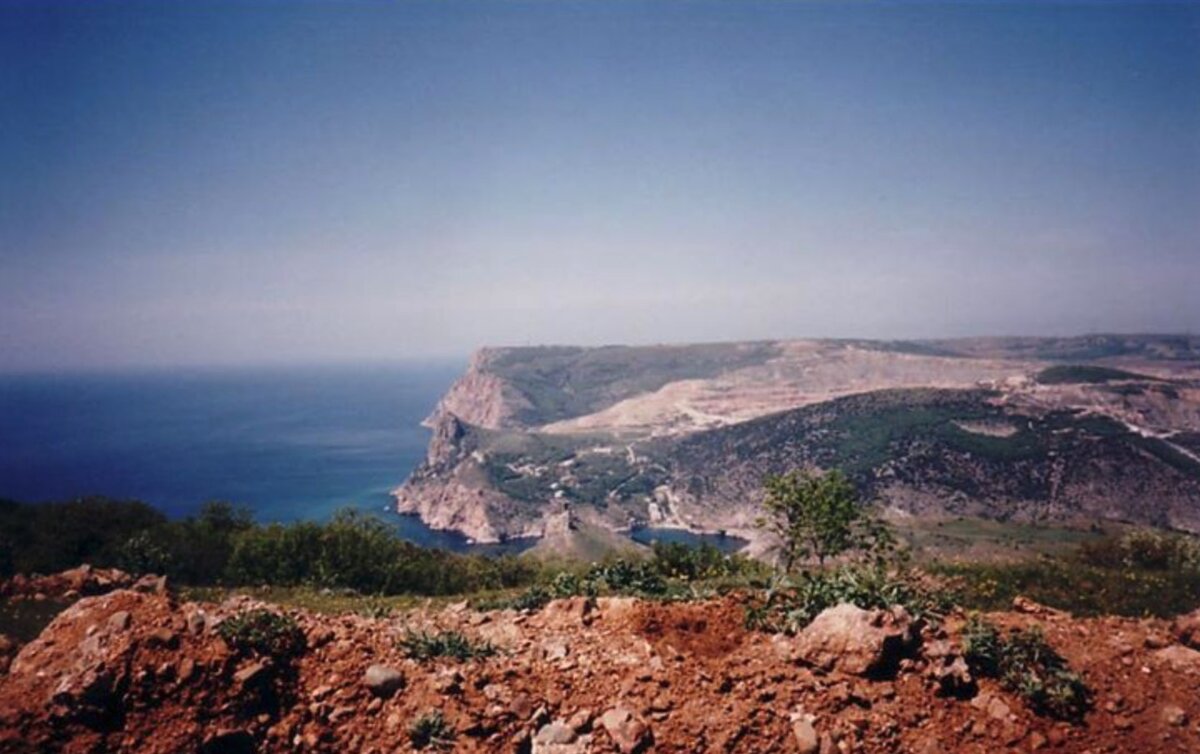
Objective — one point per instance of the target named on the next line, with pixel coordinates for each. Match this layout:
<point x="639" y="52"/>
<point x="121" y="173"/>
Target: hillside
<point x="142" y="672"/>
<point x="1034" y="430"/>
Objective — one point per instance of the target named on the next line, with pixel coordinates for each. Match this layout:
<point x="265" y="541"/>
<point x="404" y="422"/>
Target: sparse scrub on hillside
<point x="1026" y="665"/>
<point x="676" y="571"/>
<point x="1141" y="573"/>
<point x="1066" y="374"/>
<point x="425" y="646"/>
<point x="263" y="632"/>
<point x="431" y="730"/>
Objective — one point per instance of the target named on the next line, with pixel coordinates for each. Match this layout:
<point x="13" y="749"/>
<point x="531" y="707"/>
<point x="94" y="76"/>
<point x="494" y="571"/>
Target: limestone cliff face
<point x="450" y="490"/>
<point x="481" y="397"/>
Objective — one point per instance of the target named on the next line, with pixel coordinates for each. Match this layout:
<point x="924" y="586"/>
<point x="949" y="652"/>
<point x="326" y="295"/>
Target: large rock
<point x="857" y="641"/>
<point x="628" y="731"/>
<point x="383" y="681"/>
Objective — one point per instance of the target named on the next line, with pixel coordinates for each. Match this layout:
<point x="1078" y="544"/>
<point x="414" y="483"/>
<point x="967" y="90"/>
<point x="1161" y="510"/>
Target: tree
<point x="818" y="515"/>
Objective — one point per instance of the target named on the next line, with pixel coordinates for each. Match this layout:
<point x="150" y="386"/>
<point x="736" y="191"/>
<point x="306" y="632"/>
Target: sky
<point x="222" y="183"/>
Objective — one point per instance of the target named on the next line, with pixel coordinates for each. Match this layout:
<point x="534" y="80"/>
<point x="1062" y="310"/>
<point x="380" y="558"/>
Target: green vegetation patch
<point x="1029" y="667"/>
<point x="791" y="603"/>
<point x="263" y="632"/>
<point x="425" y="646"/>
<point x="1081" y="374"/>
<point x="1141" y="573"/>
<point x="431" y="730"/>
<point x="861" y="440"/>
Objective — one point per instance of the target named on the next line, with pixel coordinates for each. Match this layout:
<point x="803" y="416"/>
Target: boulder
<point x="628" y="731"/>
<point x="857" y="641"/>
<point x="382" y="680"/>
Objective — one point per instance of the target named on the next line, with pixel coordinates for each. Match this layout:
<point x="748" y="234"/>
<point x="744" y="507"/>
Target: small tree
<point x="818" y="515"/>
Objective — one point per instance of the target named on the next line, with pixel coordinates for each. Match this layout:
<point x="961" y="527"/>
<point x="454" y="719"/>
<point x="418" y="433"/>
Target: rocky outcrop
<point x="481" y="397"/>
<point x="82" y="581"/>
<point x="858" y="641"/>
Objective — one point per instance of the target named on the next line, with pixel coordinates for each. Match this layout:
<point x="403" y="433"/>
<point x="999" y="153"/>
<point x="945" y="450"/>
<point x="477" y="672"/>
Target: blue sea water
<point x="289" y="443"/>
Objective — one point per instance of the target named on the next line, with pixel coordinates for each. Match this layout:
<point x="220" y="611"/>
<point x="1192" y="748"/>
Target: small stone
<point x="197" y="622"/>
<point x="227" y="741"/>
<point x="554" y="733"/>
<point x="581" y="721"/>
<point x="1173" y="714"/>
<point x="120" y="620"/>
<point x="807" y="740"/>
<point x="382" y="680"/>
<point x="627" y="731"/>
<point x="163" y="637"/>
<point x="251" y="674"/>
<point x="997" y="709"/>
<point x="186" y="668"/>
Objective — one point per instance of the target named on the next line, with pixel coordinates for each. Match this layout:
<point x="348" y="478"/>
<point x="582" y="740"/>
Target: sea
<point x="289" y="443"/>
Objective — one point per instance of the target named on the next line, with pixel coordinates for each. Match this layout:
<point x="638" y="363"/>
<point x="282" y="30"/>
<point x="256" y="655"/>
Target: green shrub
<point x="263" y="632"/>
<point x="425" y="646"/>
<point x="790" y="604"/>
<point x="674" y="560"/>
<point x="431" y="730"/>
<point x="626" y="577"/>
<point x="1027" y="666"/>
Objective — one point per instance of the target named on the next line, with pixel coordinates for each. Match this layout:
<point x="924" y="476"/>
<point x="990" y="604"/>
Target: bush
<point x="431" y="729"/>
<point x="790" y="604"/>
<point x="425" y="646"/>
<point x="1027" y="666"/>
<point x="263" y="632"/>
<point x="674" y="560"/>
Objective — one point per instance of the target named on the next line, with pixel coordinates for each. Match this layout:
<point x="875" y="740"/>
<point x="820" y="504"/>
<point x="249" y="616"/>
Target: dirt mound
<point x="139" y="672"/>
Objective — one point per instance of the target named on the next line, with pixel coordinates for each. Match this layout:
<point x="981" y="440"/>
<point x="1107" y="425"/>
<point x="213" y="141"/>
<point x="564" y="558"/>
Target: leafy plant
<point x="431" y="730"/>
<point x="790" y="603"/>
<point x="263" y="632"/>
<point x="627" y="577"/>
<point x="1029" y="667"/>
<point x="376" y="609"/>
<point x="425" y="646"/>
<point x="819" y="516"/>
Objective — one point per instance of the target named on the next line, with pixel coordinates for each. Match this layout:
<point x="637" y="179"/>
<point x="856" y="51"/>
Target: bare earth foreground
<point x="140" y="672"/>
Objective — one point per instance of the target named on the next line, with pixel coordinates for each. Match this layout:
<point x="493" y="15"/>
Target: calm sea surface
<point x="289" y="443"/>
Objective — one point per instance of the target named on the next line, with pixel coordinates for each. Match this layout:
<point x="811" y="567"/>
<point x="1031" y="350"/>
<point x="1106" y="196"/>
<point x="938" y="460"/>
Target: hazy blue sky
<point x="187" y="182"/>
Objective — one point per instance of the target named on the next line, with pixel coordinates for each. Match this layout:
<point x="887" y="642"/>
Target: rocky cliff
<point x="683" y="435"/>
